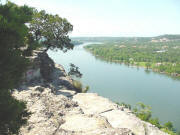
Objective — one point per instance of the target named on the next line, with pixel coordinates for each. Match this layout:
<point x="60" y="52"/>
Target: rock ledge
<point x="59" y="110"/>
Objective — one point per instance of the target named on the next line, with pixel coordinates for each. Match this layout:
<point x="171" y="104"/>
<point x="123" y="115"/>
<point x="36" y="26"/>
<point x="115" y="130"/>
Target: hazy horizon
<point x="120" y="36"/>
<point x="104" y="18"/>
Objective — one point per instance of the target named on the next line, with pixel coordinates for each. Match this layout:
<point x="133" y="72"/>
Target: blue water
<point x="121" y="83"/>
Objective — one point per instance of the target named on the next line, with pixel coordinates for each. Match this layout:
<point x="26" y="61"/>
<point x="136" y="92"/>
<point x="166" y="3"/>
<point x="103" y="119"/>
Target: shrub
<point x="79" y="87"/>
<point x="168" y="125"/>
<point x="144" y="113"/>
<point x="13" y="32"/>
<point x="124" y="105"/>
<point x="13" y="113"/>
<point x="85" y="89"/>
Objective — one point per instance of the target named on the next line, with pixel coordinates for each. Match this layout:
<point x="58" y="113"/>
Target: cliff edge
<point x="57" y="109"/>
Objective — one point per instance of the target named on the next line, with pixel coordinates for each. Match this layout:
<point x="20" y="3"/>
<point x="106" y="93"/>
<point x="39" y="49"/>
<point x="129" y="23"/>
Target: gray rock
<point x="46" y="66"/>
<point x="58" y="110"/>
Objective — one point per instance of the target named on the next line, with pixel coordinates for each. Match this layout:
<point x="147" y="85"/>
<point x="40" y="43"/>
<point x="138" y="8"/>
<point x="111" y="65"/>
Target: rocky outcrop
<point x="46" y="66"/>
<point x="57" y="114"/>
<point x="69" y="113"/>
<point x="59" y="110"/>
<point x="45" y="72"/>
<point x="117" y="116"/>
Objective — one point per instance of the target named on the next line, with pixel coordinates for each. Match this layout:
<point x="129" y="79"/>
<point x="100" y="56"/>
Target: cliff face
<point x="58" y="110"/>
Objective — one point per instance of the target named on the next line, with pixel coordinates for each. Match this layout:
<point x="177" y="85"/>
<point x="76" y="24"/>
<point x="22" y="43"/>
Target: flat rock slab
<point x="67" y="93"/>
<point x="91" y="103"/>
<point x="122" y="119"/>
<point x="83" y="123"/>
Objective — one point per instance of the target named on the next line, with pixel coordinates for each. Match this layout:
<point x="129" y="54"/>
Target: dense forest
<point x="160" y="53"/>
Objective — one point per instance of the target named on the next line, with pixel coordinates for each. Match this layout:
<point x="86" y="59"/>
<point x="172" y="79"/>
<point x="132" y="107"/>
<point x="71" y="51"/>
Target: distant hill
<point x="161" y="38"/>
<point x="168" y="36"/>
<point x="76" y="42"/>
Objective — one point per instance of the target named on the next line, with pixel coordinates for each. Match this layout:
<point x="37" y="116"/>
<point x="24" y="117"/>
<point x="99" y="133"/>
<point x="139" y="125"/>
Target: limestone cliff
<point x="58" y="110"/>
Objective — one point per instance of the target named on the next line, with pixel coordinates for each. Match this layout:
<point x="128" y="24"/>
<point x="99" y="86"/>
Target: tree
<point x="74" y="71"/>
<point x="13" y="33"/>
<point x="13" y="113"/>
<point x="13" y="37"/>
<point x="51" y="30"/>
<point x="168" y="125"/>
<point x="143" y="111"/>
<point x="148" y="65"/>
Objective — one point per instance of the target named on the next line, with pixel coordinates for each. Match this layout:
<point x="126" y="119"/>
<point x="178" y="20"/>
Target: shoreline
<point x="175" y="75"/>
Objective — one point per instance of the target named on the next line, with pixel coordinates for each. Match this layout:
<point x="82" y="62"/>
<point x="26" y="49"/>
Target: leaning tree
<point x="51" y="31"/>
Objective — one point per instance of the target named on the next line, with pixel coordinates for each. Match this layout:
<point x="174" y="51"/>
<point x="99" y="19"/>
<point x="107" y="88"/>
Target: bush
<point x="155" y="121"/>
<point x="143" y="112"/>
<point x="79" y="87"/>
<point x="13" y="32"/>
<point x="85" y="89"/>
<point x="124" y="105"/>
<point x="168" y="125"/>
<point x="74" y="71"/>
<point x="13" y="113"/>
<point x="178" y="133"/>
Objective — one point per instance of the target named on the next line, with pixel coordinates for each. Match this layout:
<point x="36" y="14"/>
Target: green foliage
<point x="13" y="33"/>
<point x="51" y="30"/>
<point x="22" y="30"/>
<point x="155" y="121"/>
<point x="13" y="37"/>
<point x="13" y="113"/>
<point x="85" y="90"/>
<point x="148" y="65"/>
<point x="79" y="87"/>
<point x="160" y="56"/>
<point x="74" y="71"/>
<point x="168" y="131"/>
<point x="144" y="113"/>
<point x="178" y="133"/>
<point x="124" y="105"/>
<point x="168" y="125"/>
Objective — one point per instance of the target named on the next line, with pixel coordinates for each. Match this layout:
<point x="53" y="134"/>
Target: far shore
<point x="134" y="65"/>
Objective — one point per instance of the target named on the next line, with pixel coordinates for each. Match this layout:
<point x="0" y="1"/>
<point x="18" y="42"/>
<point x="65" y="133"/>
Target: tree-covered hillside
<point x="160" y="54"/>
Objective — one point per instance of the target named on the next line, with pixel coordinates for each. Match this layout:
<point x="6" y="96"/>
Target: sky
<point x="114" y="17"/>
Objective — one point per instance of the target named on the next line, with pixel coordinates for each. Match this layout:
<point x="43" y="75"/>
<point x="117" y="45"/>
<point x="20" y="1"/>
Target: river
<point x="121" y="83"/>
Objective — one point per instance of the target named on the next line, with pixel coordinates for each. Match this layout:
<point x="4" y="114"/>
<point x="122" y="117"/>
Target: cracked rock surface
<point x="58" y="110"/>
<point x="78" y="114"/>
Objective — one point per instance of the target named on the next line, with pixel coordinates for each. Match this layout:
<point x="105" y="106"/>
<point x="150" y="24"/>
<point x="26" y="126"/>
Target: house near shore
<point x="158" y="64"/>
<point x="161" y="51"/>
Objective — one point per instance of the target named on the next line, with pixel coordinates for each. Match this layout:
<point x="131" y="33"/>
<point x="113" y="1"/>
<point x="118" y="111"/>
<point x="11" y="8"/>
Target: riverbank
<point x="121" y="83"/>
<point x="56" y="109"/>
<point x="146" y="65"/>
